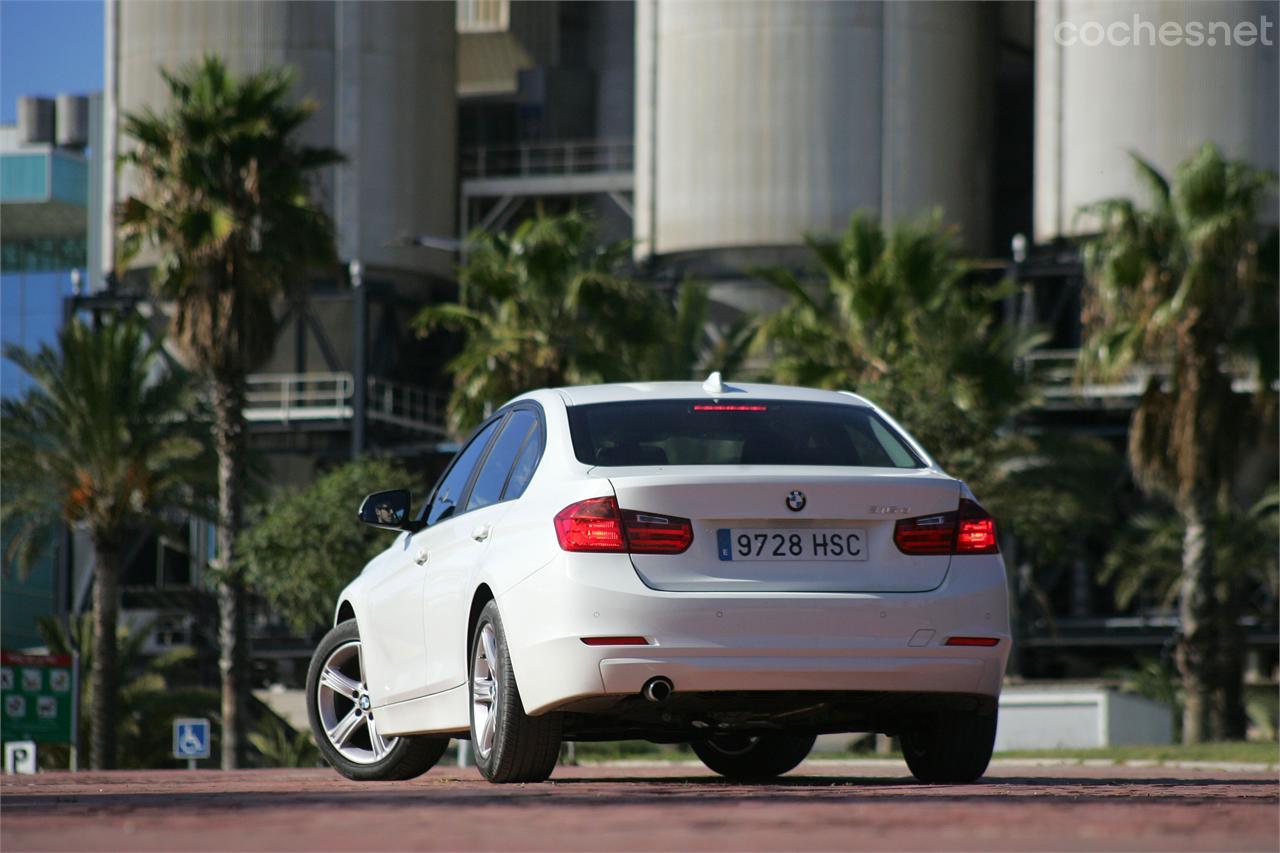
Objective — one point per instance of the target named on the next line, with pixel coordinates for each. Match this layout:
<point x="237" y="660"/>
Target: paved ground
<point x="818" y="807"/>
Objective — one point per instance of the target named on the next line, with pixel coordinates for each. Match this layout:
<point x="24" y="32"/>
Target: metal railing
<point x="1054" y="372"/>
<point x="568" y="157"/>
<point x="406" y="405"/>
<point x="290" y="397"/>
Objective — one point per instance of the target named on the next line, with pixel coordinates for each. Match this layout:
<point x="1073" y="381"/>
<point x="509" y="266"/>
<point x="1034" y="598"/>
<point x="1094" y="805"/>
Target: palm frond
<point x="227" y="207"/>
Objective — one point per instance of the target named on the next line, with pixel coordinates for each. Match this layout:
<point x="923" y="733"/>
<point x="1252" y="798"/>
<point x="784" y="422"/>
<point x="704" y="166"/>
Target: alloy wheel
<point x="485" y="691"/>
<point x="346" y="712"/>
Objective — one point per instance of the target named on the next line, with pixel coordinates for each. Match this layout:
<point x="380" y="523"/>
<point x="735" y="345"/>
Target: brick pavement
<point x="818" y="807"/>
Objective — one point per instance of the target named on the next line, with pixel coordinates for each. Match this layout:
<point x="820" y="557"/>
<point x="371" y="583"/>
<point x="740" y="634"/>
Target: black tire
<point x="951" y="747"/>
<point x="762" y="756"/>
<point x="405" y="758"/>
<point x="522" y="748"/>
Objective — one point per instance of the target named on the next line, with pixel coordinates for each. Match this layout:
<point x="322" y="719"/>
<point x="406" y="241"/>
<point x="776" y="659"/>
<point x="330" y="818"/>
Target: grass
<point x="1231" y="751"/>
<point x="621" y="750"/>
<point x="1261" y="753"/>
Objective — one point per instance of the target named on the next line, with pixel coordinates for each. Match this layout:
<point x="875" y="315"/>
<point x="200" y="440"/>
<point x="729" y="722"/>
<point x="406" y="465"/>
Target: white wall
<point x="1079" y="718"/>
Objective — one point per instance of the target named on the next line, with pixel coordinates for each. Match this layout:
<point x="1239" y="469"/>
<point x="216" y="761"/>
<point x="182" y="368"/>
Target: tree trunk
<point x="1198" y="645"/>
<point x="1230" y="721"/>
<point x="103" y="678"/>
<point x="233" y="659"/>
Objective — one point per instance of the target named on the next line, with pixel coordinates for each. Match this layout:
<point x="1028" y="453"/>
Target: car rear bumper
<point x="759" y="672"/>
<point x="708" y="642"/>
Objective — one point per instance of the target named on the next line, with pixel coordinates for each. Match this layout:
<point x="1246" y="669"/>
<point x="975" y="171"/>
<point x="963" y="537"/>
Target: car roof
<point x="584" y="395"/>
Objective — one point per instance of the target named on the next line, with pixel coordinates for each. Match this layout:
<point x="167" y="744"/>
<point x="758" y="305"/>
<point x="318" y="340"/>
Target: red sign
<point x="34" y="660"/>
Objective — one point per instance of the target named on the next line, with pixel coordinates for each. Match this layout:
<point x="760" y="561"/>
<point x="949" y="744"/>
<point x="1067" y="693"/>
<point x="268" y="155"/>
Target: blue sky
<point x="47" y="47"/>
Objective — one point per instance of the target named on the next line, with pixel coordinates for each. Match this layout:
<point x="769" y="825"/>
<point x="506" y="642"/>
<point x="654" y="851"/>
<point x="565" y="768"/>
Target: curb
<point x="897" y="763"/>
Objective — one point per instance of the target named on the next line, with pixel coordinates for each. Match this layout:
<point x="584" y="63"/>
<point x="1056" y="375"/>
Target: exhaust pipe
<point x="657" y="689"/>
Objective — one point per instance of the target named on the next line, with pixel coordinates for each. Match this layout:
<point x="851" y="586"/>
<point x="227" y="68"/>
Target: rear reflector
<point x="597" y="524"/>
<point x="972" y="641"/>
<point x="717" y="407"/>
<point x="968" y="530"/>
<point x="615" y="641"/>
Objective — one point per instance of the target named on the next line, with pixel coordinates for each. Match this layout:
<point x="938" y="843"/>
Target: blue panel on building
<point x="70" y="179"/>
<point x="24" y="177"/>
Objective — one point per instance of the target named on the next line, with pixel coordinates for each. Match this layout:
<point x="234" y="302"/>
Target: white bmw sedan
<point x="741" y="568"/>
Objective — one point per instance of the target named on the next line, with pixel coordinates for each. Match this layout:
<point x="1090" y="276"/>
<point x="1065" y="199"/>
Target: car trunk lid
<point x="820" y="513"/>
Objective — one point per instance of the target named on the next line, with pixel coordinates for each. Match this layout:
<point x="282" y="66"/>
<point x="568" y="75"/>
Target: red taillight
<point x="972" y="641"/>
<point x="650" y="533"/>
<point x="929" y="534"/>
<point x="969" y="530"/>
<point x="591" y="525"/>
<point x="597" y="524"/>
<point x="977" y="533"/>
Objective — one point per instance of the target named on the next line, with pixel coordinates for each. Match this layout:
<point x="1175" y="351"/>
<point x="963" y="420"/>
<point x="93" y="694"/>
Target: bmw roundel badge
<point x="796" y="500"/>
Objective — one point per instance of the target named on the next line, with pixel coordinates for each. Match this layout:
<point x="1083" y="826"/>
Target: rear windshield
<point x="717" y="432"/>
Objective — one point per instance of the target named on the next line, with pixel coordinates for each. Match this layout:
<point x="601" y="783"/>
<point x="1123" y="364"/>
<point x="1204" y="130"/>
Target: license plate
<point x="807" y="544"/>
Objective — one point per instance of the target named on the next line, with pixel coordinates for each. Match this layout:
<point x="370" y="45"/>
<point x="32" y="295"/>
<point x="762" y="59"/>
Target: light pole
<point x="360" y="342"/>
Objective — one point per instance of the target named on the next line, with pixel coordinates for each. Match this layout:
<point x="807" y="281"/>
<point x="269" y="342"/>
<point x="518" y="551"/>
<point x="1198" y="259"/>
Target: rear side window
<point x="522" y="473"/>
<point x="720" y="432"/>
<point x="497" y="465"/>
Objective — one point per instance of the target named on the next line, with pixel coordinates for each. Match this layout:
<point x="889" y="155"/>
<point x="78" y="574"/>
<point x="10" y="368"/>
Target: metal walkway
<point x="285" y="398"/>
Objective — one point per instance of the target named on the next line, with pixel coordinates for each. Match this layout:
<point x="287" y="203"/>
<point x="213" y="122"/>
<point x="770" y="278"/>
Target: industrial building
<point x="713" y="134"/>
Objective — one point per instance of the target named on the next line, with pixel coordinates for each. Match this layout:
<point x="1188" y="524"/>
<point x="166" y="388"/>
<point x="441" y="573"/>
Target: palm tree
<point x="694" y="346"/>
<point x="226" y="207"/>
<point x="894" y="316"/>
<point x="1145" y="564"/>
<point x="100" y="440"/>
<point x="1144" y="567"/>
<point x="544" y="306"/>
<point x="1189" y="283"/>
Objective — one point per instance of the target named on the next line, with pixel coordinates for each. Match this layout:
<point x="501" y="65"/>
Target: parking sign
<point x="190" y="738"/>
<point x="37" y="698"/>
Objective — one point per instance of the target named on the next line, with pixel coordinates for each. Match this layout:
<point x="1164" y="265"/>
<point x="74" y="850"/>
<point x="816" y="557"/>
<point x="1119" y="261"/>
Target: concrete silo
<point x="757" y="122"/>
<point x="382" y="73"/>
<point x="1157" y="78"/>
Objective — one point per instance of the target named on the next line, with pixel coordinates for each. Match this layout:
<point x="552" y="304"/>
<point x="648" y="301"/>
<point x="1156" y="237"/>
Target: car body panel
<point x="707" y="629"/>
<point x="863" y="639"/>
<point x="392" y="647"/>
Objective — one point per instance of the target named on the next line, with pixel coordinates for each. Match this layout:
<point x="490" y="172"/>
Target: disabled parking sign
<point x="191" y="739"/>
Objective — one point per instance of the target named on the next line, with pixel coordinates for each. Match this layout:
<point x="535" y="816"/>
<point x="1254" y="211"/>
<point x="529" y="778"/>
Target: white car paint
<point x="712" y="626"/>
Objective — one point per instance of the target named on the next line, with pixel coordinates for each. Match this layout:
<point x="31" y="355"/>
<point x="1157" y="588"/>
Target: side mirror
<point x="388" y="510"/>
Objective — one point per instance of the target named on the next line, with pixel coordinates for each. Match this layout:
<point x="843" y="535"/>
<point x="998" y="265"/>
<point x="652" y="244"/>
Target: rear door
<point x="458" y="545"/>
<point x="396" y="656"/>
